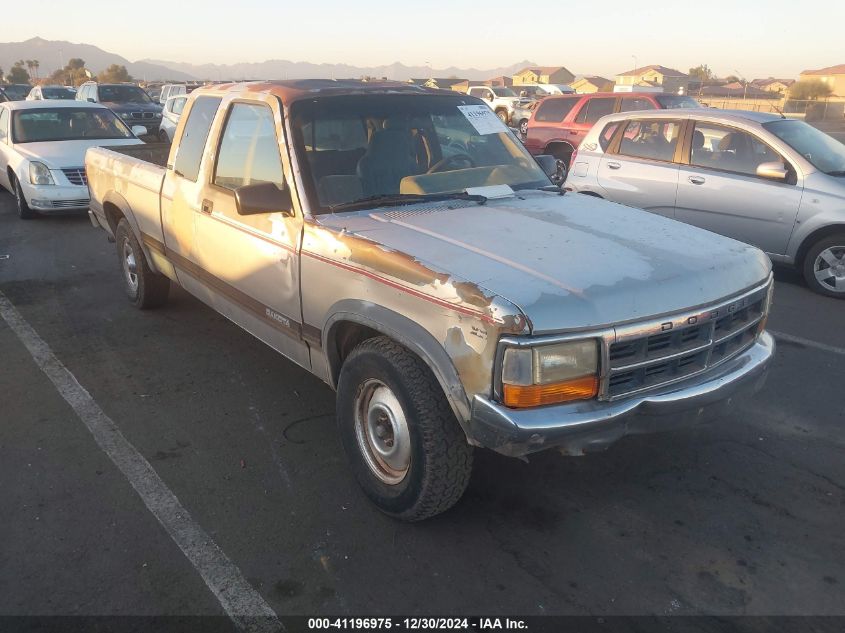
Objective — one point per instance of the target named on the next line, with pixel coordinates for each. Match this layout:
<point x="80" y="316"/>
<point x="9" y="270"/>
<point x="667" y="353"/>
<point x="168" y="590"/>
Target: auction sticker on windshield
<point x="483" y="119"/>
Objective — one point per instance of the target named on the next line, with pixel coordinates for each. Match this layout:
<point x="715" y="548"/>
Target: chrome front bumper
<point x="589" y="426"/>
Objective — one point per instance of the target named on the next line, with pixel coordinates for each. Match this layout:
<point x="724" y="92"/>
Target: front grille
<point x="142" y="115"/>
<point x="655" y="354"/>
<point x="76" y="175"/>
<point x="67" y="204"/>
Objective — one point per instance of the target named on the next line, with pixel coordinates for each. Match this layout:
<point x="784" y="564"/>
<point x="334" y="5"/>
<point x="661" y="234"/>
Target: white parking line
<point x="807" y="343"/>
<point x="243" y="604"/>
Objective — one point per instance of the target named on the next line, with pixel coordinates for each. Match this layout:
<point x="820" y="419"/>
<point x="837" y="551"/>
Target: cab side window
<point x="650" y="139"/>
<point x="633" y="104"/>
<point x="595" y="109"/>
<point x="178" y="105"/>
<point x="729" y="149"/>
<point x="194" y="136"/>
<point x="249" y="149"/>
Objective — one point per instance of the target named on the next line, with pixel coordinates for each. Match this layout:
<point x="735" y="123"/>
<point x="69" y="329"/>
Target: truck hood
<point x="63" y="154"/>
<point x="132" y="107"/>
<point x="568" y="262"/>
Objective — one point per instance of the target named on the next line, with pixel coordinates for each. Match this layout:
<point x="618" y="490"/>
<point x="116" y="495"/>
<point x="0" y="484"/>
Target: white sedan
<point x="42" y="151"/>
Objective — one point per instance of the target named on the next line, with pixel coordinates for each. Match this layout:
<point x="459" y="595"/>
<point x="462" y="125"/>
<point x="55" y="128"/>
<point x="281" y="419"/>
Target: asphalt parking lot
<point x="742" y="516"/>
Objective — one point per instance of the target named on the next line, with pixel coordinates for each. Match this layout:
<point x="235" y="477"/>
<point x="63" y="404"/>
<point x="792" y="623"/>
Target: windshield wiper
<point x="839" y="172"/>
<point x="397" y="199"/>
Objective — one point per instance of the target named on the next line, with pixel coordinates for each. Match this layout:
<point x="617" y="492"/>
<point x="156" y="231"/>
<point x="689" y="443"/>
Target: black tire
<point x="561" y="151"/>
<point x="503" y="116"/>
<point x="150" y="289"/>
<point x="523" y="127"/>
<point x="440" y="461"/>
<point x="24" y="212"/>
<point x="831" y="284"/>
<point x="163" y="137"/>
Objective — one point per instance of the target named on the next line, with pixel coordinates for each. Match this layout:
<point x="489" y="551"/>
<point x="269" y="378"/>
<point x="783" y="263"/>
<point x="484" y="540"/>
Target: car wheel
<point x="561" y="152"/>
<point x="523" y="127"/>
<point x="824" y="266"/>
<point x="144" y="288"/>
<point x="163" y="137"/>
<point x="404" y="445"/>
<point x="24" y="212"/>
<point x="503" y="116"/>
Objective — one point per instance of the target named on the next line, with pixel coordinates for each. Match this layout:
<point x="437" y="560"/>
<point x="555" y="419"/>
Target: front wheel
<point x="824" y="266"/>
<point x="144" y="288"/>
<point x="523" y="127"/>
<point x="24" y="212"/>
<point x="503" y="116"/>
<point x="404" y="445"/>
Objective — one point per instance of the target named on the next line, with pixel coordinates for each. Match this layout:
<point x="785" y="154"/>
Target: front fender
<point x="406" y="332"/>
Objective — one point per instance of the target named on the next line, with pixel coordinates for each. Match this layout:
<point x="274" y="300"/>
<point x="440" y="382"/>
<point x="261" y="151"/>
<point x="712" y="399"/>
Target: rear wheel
<point x="144" y="288"/>
<point x="402" y="440"/>
<point x="163" y="137"/>
<point x="561" y="151"/>
<point x="824" y="266"/>
<point x="24" y="212"/>
<point x="503" y="116"/>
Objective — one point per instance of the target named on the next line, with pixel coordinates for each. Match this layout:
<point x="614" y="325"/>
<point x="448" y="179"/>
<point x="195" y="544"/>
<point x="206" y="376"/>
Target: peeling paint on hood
<point x="568" y="262"/>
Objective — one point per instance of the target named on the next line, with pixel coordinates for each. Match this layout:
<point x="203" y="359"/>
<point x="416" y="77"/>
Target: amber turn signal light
<point x="519" y="396"/>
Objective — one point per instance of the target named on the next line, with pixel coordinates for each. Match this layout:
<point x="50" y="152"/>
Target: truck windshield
<point x="123" y="94"/>
<point x="824" y="152"/>
<point x="58" y="93"/>
<point x="503" y="92"/>
<point x="364" y="146"/>
<point x="66" y="124"/>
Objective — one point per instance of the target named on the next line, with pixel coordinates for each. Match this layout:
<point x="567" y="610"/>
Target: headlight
<point x="158" y="115"/>
<point x="124" y="115"/>
<point x="547" y="374"/>
<point x="39" y="174"/>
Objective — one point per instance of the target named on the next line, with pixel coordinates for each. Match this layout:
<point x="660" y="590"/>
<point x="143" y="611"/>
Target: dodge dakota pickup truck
<point x="401" y="244"/>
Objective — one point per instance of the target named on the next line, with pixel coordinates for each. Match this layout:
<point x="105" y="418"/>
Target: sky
<point x="746" y="38"/>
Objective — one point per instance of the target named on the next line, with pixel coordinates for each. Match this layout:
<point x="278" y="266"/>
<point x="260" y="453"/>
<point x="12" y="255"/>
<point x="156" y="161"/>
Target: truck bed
<point x="155" y="153"/>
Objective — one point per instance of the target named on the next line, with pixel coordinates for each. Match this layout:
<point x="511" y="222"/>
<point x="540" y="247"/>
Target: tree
<point x="35" y="65"/>
<point x="18" y="75"/>
<point x="75" y="63"/>
<point x="809" y="89"/>
<point x="114" y="74"/>
<point x="702" y="73"/>
<point x="732" y="79"/>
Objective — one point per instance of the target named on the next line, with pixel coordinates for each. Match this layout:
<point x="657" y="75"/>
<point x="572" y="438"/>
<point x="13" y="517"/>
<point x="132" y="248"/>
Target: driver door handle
<point x="207" y="206"/>
<point x="613" y="165"/>
<point x="696" y="180"/>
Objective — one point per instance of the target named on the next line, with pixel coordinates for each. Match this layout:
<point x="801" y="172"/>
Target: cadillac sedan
<point x="42" y="151"/>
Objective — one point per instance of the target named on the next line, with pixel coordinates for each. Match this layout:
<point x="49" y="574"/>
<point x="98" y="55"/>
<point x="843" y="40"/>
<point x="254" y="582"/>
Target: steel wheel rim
<point x="381" y="429"/>
<point x="523" y="127"/>
<point x="130" y="266"/>
<point x="829" y="269"/>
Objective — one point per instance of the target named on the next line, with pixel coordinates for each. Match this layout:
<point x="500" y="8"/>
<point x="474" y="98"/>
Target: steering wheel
<point x="443" y="162"/>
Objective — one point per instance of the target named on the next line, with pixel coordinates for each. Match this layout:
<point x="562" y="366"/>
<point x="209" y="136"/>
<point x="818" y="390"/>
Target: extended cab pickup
<point x="403" y="246"/>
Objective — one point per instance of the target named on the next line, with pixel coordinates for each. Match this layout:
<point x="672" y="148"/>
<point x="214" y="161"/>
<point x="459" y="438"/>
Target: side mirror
<point x="263" y="197"/>
<point x="774" y="170"/>
<point x="553" y="167"/>
<point x="139" y="130"/>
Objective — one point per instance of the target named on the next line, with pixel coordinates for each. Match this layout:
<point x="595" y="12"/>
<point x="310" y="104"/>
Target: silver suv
<point x="763" y="179"/>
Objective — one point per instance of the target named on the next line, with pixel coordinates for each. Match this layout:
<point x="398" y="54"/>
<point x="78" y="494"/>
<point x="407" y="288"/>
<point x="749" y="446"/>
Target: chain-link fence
<point x="831" y="109"/>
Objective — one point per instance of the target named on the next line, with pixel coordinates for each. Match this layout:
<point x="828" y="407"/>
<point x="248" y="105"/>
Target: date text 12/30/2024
<point x="417" y="624"/>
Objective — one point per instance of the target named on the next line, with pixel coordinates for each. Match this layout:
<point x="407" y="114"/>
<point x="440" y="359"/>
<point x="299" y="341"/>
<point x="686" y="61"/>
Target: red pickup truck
<point x="560" y="123"/>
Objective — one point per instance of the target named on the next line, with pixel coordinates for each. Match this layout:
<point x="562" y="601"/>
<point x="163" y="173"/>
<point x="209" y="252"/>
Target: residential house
<point x="502" y="81"/>
<point x="589" y="84"/>
<point x="833" y="76"/>
<point x="654" y="76"/>
<point x="736" y="90"/>
<point x="543" y="75"/>
<point x="780" y="86"/>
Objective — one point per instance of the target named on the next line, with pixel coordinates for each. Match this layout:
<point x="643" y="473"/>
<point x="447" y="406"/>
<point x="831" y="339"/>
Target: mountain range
<point x="53" y="54"/>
